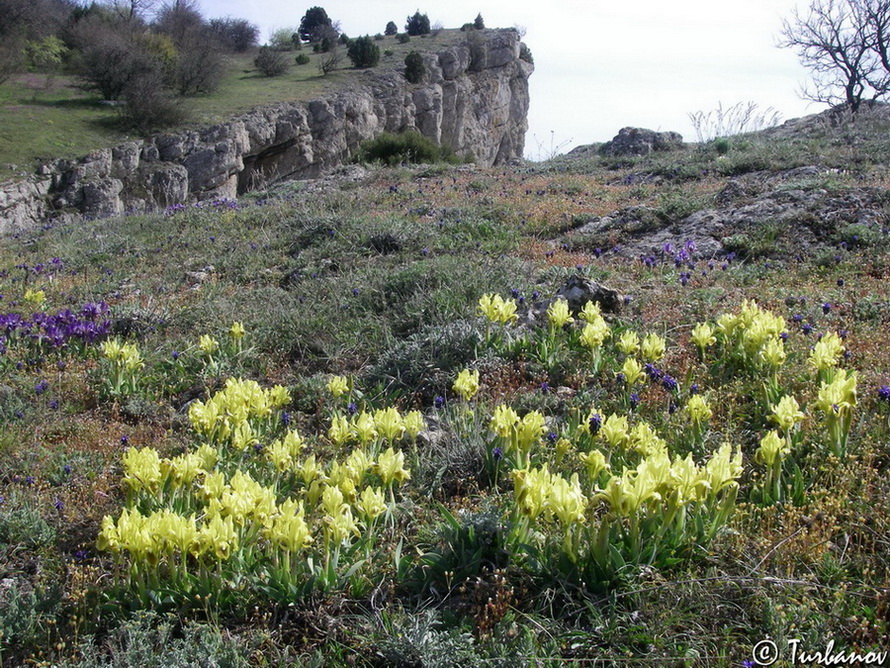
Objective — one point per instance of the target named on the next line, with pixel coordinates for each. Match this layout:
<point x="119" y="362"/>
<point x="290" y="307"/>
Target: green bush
<point x="406" y="147"/>
<point x="403" y="38"/>
<point x="414" y="68"/>
<point x="302" y="59"/>
<point x="419" y="24"/>
<point x="270" y="63"/>
<point x="363" y="52"/>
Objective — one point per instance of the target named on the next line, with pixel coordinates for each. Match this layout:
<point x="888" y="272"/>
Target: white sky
<point x="601" y="65"/>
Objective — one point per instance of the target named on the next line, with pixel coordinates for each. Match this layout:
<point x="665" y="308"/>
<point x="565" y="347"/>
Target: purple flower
<point x="653" y="371"/>
<point x="840" y="282"/>
<point x="669" y="383"/>
<point x="285" y="418"/>
<point x="595" y="423"/>
<point x="67" y="469"/>
<point x="29" y="480"/>
<point x="826" y="307"/>
<point x="797" y="317"/>
<point x="40" y="387"/>
<point x="694" y="389"/>
<point x="620" y="378"/>
<point x="355" y="292"/>
<point x="545" y="387"/>
<point x="125" y="440"/>
<point x="552" y="437"/>
<point x="439" y="401"/>
<point x="497" y="453"/>
<point x="58" y="504"/>
<point x="634" y="400"/>
<point x="352" y="408"/>
<point x="673" y="407"/>
<point x="807" y="328"/>
<point x="884" y="393"/>
<point x="81" y="555"/>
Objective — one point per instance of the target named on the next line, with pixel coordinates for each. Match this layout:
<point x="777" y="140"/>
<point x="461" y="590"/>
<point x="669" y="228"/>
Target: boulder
<point x="639" y="141"/>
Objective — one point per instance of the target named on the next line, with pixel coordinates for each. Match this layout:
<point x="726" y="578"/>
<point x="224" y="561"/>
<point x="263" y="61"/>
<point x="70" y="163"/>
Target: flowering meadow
<point x="359" y="426"/>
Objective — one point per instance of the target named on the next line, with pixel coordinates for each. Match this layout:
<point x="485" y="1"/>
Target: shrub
<point x="406" y="147"/>
<point x="154" y="641"/>
<point x="478" y="23"/>
<point x="236" y="35"/>
<point x="526" y="54"/>
<point x="199" y="68"/>
<point x="391" y="28"/>
<point x="10" y="57"/>
<point x="285" y="39"/>
<point x="149" y="105"/>
<point x="378" y="37"/>
<point x="414" y="68"/>
<point x="330" y="59"/>
<point x="403" y="38"/>
<point x="363" y="52"/>
<point x="271" y="63"/>
<point x="419" y="24"/>
<point x="111" y="62"/>
<point x="302" y="59"/>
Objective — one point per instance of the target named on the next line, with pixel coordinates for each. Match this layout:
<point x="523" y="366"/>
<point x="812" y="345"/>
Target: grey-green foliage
<point x="18" y="612"/>
<point x="428" y="361"/>
<point x="22" y="525"/>
<point x="150" y="640"/>
<point x="416" y="640"/>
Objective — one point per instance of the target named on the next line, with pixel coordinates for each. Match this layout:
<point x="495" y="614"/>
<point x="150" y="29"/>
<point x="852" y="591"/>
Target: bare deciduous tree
<point x="846" y="46"/>
<point x="331" y="59"/>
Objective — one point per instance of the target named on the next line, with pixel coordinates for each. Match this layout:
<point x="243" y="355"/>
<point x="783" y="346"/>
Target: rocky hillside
<point x="473" y="98"/>
<point x="784" y="192"/>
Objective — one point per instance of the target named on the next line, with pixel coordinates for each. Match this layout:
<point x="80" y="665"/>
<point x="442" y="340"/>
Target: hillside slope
<point x="252" y="432"/>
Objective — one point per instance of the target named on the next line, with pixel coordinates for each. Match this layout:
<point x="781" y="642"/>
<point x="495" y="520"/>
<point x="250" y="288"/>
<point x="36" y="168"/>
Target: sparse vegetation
<point x="350" y="422"/>
<point x="534" y="450"/>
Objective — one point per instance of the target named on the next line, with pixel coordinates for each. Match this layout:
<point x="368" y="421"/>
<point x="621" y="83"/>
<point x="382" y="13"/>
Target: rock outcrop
<point x="639" y="141"/>
<point x="473" y="98"/>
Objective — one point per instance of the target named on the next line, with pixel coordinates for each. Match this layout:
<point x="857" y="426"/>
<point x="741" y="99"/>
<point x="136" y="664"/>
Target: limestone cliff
<point x="473" y="98"/>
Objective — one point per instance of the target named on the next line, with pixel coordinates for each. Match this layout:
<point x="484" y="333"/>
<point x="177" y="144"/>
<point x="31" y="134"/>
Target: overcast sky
<point x="601" y="65"/>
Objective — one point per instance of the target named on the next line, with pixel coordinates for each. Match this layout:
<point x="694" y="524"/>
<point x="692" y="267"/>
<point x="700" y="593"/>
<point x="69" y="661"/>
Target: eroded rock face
<point x="473" y="100"/>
